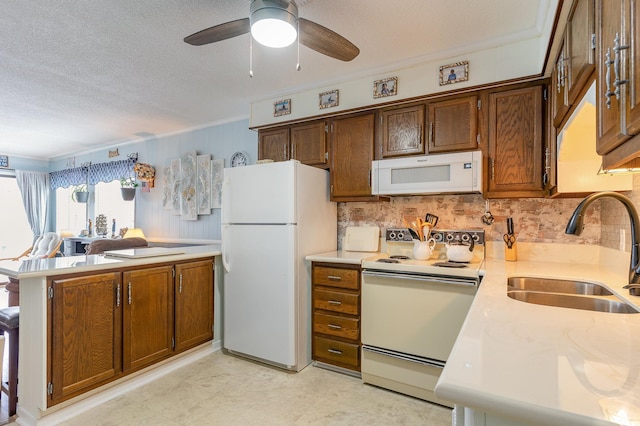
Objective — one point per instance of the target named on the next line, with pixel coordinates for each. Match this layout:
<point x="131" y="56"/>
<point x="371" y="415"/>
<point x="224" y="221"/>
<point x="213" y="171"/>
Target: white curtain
<point x="35" y="190"/>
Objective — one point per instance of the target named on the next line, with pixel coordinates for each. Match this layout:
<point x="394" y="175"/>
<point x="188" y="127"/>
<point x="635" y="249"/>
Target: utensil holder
<point x="510" y="253"/>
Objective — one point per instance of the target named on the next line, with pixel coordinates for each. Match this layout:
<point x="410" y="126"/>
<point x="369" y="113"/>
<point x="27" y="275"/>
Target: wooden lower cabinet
<point x="85" y="334"/>
<point x="147" y="316"/>
<point x="193" y="304"/>
<point x="107" y="325"/>
<point x="336" y="314"/>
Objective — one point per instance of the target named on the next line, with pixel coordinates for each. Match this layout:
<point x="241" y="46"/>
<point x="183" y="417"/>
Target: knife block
<point x="511" y="254"/>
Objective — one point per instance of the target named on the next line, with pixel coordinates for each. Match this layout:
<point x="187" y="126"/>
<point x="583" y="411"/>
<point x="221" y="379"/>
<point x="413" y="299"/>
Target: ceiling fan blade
<point x="219" y="32"/>
<point x="325" y="41"/>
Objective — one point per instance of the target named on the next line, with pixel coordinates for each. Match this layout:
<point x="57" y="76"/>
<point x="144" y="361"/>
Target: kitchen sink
<point x="573" y="301"/>
<point x="552" y="285"/>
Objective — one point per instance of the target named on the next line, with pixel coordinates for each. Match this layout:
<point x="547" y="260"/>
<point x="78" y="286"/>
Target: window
<point x="15" y="232"/>
<point x="71" y="216"/>
<point x="109" y="202"/>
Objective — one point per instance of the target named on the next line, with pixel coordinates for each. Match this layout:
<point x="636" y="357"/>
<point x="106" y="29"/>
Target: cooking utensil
<point x="460" y="251"/>
<point x="487" y="218"/>
<point x="414" y="234"/>
<point x="431" y="219"/>
<point x="509" y="240"/>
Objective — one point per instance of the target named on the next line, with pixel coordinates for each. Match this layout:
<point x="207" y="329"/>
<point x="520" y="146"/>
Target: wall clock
<point x="239" y="158"/>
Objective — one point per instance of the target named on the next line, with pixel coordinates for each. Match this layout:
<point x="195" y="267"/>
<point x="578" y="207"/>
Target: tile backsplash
<point x="536" y="220"/>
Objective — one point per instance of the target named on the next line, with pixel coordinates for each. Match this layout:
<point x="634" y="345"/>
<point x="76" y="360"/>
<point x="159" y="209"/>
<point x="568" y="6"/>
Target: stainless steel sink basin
<point x="552" y="285"/>
<point x="589" y="303"/>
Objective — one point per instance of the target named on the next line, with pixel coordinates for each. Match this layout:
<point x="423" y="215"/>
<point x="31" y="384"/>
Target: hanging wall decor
<point x="188" y="210"/>
<point x="217" y="174"/>
<point x="165" y="174"/>
<point x="176" y="187"/>
<point x="203" y="184"/>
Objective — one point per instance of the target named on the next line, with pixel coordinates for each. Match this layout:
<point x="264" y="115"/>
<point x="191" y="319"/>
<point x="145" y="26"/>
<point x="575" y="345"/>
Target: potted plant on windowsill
<point x="128" y="188"/>
<point x="80" y="194"/>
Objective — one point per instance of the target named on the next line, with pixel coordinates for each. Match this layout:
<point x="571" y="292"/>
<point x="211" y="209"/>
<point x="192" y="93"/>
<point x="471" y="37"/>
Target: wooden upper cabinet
<point x="631" y="63"/>
<point x="85" y="334"/>
<point x="193" y="304"/>
<point x="453" y="125"/>
<point x="609" y="120"/>
<point x="402" y="131"/>
<point x="580" y="46"/>
<point x="559" y="97"/>
<point x="309" y="143"/>
<point x="352" y="146"/>
<point x="273" y="144"/>
<point x="515" y="144"/>
<point x="147" y="316"/>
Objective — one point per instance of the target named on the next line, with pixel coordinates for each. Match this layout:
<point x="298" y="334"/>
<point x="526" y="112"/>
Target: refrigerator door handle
<point x="225" y="247"/>
<point x="224" y="199"/>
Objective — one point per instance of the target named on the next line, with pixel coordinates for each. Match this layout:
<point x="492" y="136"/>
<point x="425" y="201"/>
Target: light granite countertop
<point x="546" y="365"/>
<point x="341" y="256"/>
<point x="87" y="263"/>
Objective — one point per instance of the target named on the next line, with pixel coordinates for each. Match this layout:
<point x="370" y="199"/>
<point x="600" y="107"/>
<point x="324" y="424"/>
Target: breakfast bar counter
<point x="517" y="363"/>
<point x="98" y="288"/>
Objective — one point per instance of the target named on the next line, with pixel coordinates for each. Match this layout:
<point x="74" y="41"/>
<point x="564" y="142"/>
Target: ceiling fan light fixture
<point x="274" y="23"/>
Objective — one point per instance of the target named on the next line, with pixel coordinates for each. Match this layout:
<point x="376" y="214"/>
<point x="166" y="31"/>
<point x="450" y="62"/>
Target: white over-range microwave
<point x="455" y="173"/>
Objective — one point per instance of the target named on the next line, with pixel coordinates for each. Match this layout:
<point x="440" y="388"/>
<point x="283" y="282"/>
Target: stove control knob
<point x="449" y="237"/>
<point x="465" y="237"/>
<point x="400" y="236"/>
<point x="392" y="235"/>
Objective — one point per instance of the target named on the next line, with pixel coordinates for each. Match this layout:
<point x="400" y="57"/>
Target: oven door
<point x="413" y="314"/>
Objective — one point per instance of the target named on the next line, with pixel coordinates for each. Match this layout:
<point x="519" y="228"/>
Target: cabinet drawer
<point x="349" y="328"/>
<point x="333" y="351"/>
<point x="336" y="301"/>
<point x="336" y="277"/>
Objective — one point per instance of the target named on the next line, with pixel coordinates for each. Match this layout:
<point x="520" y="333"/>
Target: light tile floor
<point x="222" y="389"/>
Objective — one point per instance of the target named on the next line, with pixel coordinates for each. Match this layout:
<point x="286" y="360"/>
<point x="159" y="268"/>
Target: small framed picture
<point x="329" y="99"/>
<point x="282" y="107"/>
<point x="4" y="161"/>
<point x="385" y="87"/>
<point x="454" y="73"/>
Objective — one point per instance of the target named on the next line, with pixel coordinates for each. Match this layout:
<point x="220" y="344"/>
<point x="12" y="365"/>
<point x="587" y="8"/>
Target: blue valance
<point x="68" y="177"/>
<point x="113" y="170"/>
<point x="93" y="173"/>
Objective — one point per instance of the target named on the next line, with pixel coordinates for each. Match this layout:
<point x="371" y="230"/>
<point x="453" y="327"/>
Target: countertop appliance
<point x="273" y="215"/>
<point x="458" y="172"/>
<point x="412" y="311"/>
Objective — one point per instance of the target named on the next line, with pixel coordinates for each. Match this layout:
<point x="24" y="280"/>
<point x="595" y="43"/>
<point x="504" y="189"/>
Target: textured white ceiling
<point x="76" y="75"/>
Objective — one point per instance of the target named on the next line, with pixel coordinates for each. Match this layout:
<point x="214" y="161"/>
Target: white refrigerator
<point x="273" y="215"/>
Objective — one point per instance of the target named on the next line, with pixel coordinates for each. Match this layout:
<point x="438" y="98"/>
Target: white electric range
<point x="412" y="311"/>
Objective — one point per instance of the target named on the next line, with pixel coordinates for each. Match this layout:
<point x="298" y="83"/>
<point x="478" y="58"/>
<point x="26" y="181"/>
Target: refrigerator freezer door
<point x="259" y="292"/>
<point x="261" y="193"/>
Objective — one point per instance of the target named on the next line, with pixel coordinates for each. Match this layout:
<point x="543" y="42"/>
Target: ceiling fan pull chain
<point x="298" y="40"/>
<point x="250" y="56"/>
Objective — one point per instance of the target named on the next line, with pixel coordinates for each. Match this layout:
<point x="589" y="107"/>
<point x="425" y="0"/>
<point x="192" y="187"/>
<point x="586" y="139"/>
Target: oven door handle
<point x="472" y="282"/>
<point x="402" y="356"/>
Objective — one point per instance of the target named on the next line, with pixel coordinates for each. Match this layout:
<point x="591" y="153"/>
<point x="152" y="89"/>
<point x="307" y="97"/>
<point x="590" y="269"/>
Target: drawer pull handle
<point x="334" y="277"/>
<point x="334" y="351"/>
<point x="334" y="326"/>
<point x="334" y="302"/>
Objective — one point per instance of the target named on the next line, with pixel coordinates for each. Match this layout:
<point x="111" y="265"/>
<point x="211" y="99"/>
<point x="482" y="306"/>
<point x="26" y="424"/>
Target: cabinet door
<point x="273" y="144"/>
<point x="352" y="144"/>
<point x="85" y="334"/>
<point x="580" y="47"/>
<point x="309" y="144"/>
<point x="608" y="125"/>
<point x="560" y="102"/>
<point x="515" y="143"/>
<point x="631" y="67"/>
<point x="193" y="304"/>
<point x="402" y="131"/>
<point x="147" y="316"/>
<point x="453" y="125"/>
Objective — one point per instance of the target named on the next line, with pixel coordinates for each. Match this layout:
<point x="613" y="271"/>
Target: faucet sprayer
<point x="576" y="224"/>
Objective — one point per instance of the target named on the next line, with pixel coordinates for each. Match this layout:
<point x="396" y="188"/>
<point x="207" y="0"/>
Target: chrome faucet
<point x="576" y="224"/>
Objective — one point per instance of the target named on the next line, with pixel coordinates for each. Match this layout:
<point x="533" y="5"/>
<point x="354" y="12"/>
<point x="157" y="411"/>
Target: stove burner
<point x="451" y="264"/>
<point x="388" y="260"/>
<point x="399" y="257"/>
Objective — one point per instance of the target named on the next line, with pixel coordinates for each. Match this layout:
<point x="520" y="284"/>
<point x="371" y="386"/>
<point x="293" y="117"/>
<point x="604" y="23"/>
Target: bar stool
<point x="9" y="324"/>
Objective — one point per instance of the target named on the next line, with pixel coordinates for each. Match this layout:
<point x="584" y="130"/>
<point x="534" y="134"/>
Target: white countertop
<point x="341" y="256"/>
<point x="546" y="365"/>
<point x="73" y="264"/>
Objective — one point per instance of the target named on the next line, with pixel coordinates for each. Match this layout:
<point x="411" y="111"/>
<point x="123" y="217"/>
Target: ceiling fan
<point x="275" y="23"/>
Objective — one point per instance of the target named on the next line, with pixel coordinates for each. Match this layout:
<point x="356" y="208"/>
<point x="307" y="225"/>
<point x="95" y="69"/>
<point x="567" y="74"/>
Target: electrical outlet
<point x="623" y="239"/>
